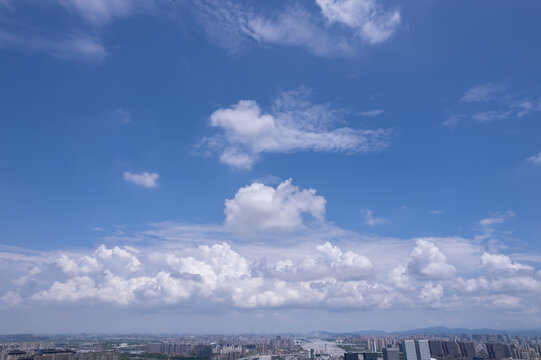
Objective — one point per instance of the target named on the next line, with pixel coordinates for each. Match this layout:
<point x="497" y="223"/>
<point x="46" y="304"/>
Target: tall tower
<point x="409" y="350"/>
<point x="422" y="349"/>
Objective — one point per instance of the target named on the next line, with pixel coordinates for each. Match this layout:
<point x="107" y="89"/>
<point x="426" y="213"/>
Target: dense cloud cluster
<point x="322" y="275"/>
<point x="318" y="266"/>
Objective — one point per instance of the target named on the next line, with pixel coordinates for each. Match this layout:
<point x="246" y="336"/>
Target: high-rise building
<point x="422" y="349"/>
<point x="370" y="355"/>
<point x="436" y="348"/>
<point x="467" y="349"/>
<point x="391" y="354"/>
<point x="450" y="348"/>
<point x="495" y="351"/>
<point x="410" y="353"/>
<point x="351" y="356"/>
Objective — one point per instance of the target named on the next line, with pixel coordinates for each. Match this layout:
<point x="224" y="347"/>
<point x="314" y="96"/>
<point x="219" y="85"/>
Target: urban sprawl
<point x="276" y="347"/>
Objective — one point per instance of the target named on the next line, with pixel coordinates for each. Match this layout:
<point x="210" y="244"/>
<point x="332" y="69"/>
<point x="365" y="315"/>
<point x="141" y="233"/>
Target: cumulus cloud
<point x="144" y="179"/>
<point x="214" y="273"/>
<point x="294" y="125"/>
<point x="370" y="21"/>
<point x="427" y="261"/>
<point x="227" y="275"/>
<point x="369" y="218"/>
<point x="431" y="292"/>
<point x="259" y="207"/>
<point x="502" y="265"/>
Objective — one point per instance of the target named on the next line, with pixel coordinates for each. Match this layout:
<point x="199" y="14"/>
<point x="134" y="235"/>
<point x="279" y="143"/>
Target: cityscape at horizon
<point x="271" y="167"/>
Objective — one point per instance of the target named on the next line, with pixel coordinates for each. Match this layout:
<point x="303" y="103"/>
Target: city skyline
<point x="233" y="167"/>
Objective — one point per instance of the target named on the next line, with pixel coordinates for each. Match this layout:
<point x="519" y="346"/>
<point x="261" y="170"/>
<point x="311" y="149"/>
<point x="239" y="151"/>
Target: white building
<point x="423" y="350"/>
<point x="409" y="350"/>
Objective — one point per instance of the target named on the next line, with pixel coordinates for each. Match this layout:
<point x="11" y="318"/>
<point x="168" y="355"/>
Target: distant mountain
<point x="437" y="330"/>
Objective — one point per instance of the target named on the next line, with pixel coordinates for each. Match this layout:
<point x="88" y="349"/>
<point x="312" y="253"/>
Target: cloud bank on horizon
<point x="315" y="265"/>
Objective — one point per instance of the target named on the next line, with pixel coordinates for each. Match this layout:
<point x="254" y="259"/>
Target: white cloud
<point x="295" y="27"/>
<point x="427" y="261"/>
<point x="436" y="212"/>
<point x="84" y="264"/>
<point x="77" y="46"/>
<point x="329" y="261"/>
<point x="453" y="120"/>
<point x="373" y="112"/>
<point x="371" y="22"/>
<point x="258" y="207"/>
<point x="526" y="107"/>
<point x="502" y="265"/>
<point x="144" y="179"/>
<point x="431" y="292"/>
<point x="536" y="159"/>
<point x="123" y="115"/>
<point x="369" y="218"/>
<point x="492" y="115"/>
<point x="232" y="25"/>
<point x="482" y="93"/>
<point x="122" y="258"/>
<point x="497" y="219"/>
<point x="294" y="125"/>
<point x="491" y="102"/>
<point x="355" y="273"/>
<point x="235" y="158"/>
<point x="235" y="26"/>
<point x="101" y="12"/>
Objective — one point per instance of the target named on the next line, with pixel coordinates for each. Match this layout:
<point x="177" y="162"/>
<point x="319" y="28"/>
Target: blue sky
<point x="324" y="164"/>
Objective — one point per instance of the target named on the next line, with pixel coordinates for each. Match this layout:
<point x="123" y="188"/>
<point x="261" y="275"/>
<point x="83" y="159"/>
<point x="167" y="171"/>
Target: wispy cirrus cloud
<point x="368" y="18"/>
<point x="234" y="26"/>
<point x="102" y="12"/>
<point x="483" y="92"/>
<point x="489" y="102"/>
<point x="75" y="46"/>
<point x="230" y="25"/>
<point x="373" y="112"/>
